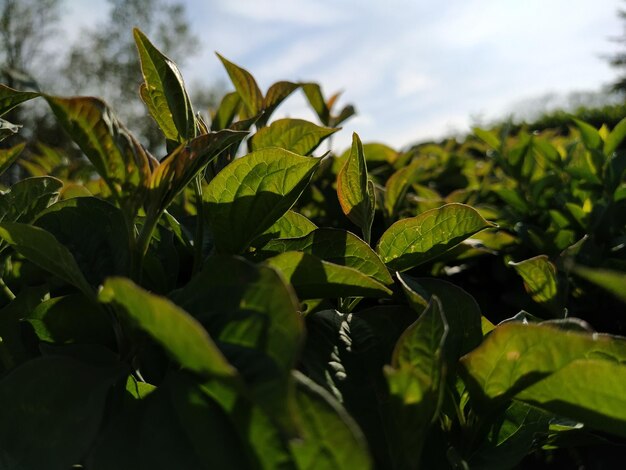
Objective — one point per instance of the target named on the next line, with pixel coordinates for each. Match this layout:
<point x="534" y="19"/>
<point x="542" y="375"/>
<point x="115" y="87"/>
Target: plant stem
<point x="5" y="289"/>
<point x="143" y="242"/>
<point x="197" y="244"/>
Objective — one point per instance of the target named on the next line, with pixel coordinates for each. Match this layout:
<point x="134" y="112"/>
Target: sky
<point x="414" y="69"/>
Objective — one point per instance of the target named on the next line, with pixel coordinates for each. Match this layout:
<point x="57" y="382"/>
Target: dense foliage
<point x="242" y="303"/>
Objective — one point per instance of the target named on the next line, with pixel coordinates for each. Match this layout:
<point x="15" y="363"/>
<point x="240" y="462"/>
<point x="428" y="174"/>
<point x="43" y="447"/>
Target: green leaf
<point x="118" y="158"/>
<point x="314" y="279"/>
<point x="397" y="185"/>
<point x="415" y="380"/>
<point x="540" y="280"/>
<point x="10" y="98"/>
<point x="246" y="86"/>
<point x="94" y="232"/>
<point x="590" y="135"/>
<point x="13" y="349"/>
<point x="175" y="330"/>
<point x="516" y="433"/>
<point x="70" y="319"/>
<point x="164" y="92"/>
<point x="615" y="138"/>
<point x="354" y="195"/>
<point x="182" y="415"/>
<point x="53" y="409"/>
<point x="252" y="193"/>
<point x="414" y="241"/>
<point x="8" y="156"/>
<point x="462" y="313"/>
<point x="313" y="93"/>
<point x="185" y="162"/>
<point x="43" y="249"/>
<point x="612" y="281"/>
<point x="290" y="225"/>
<point x="488" y="137"/>
<point x="330" y="438"/>
<point x="226" y="112"/>
<point x="338" y="247"/>
<point x="27" y="198"/>
<point x="254" y="316"/>
<point x="516" y="356"/>
<point x="275" y="95"/>
<point x="592" y="391"/>
<point x="296" y="135"/>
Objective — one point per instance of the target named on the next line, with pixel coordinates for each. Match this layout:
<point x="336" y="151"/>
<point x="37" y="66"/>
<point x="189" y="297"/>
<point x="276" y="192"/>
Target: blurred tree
<point x="104" y="61"/>
<point x="619" y="60"/>
<point x="25" y="25"/>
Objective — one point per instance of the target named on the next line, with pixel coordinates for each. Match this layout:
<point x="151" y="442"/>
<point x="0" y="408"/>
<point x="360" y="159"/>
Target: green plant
<point x="190" y="312"/>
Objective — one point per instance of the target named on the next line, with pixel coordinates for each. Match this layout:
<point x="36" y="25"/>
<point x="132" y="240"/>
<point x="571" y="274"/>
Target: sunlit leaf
<point x="170" y="326"/>
<point x="415" y="378"/>
<point x="314" y="278"/>
<point x="330" y="437"/>
<point x="27" y="198"/>
<point x="226" y="111"/>
<point x="246" y="86"/>
<point x="397" y="186"/>
<point x="411" y="242"/>
<point x="515" y="355"/>
<point x="338" y="247"/>
<point x="313" y="93"/>
<point x="296" y="135"/>
<point x="9" y="155"/>
<point x="540" y="279"/>
<point x="290" y="225"/>
<point x="179" y="168"/>
<point x="590" y="136"/>
<point x="10" y="98"/>
<point x="253" y="315"/>
<point x="252" y="193"/>
<point x="118" y="158"/>
<point x="164" y="92"/>
<point x="352" y="189"/>
<point x="612" y="281"/>
<point x="615" y="138"/>
<point x="43" y="249"/>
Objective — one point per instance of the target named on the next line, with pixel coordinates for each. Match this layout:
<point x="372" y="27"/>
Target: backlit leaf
<point x="577" y="374"/>
<point x="253" y="315"/>
<point x="415" y="379"/>
<point x="170" y="326"/>
<point x="290" y="225"/>
<point x="182" y="165"/>
<point x="8" y="156"/>
<point x="338" y="247"/>
<point x="296" y="135"/>
<point x="246" y="86"/>
<point x="413" y="241"/>
<point x="118" y="158"/>
<point x="540" y="280"/>
<point x="615" y="138"/>
<point x="10" y="98"/>
<point x="43" y="249"/>
<point x="252" y="193"/>
<point x="164" y="92"/>
<point x="313" y="278"/>
<point x="330" y="438"/>
<point x="352" y="189"/>
<point x="612" y="281"/>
